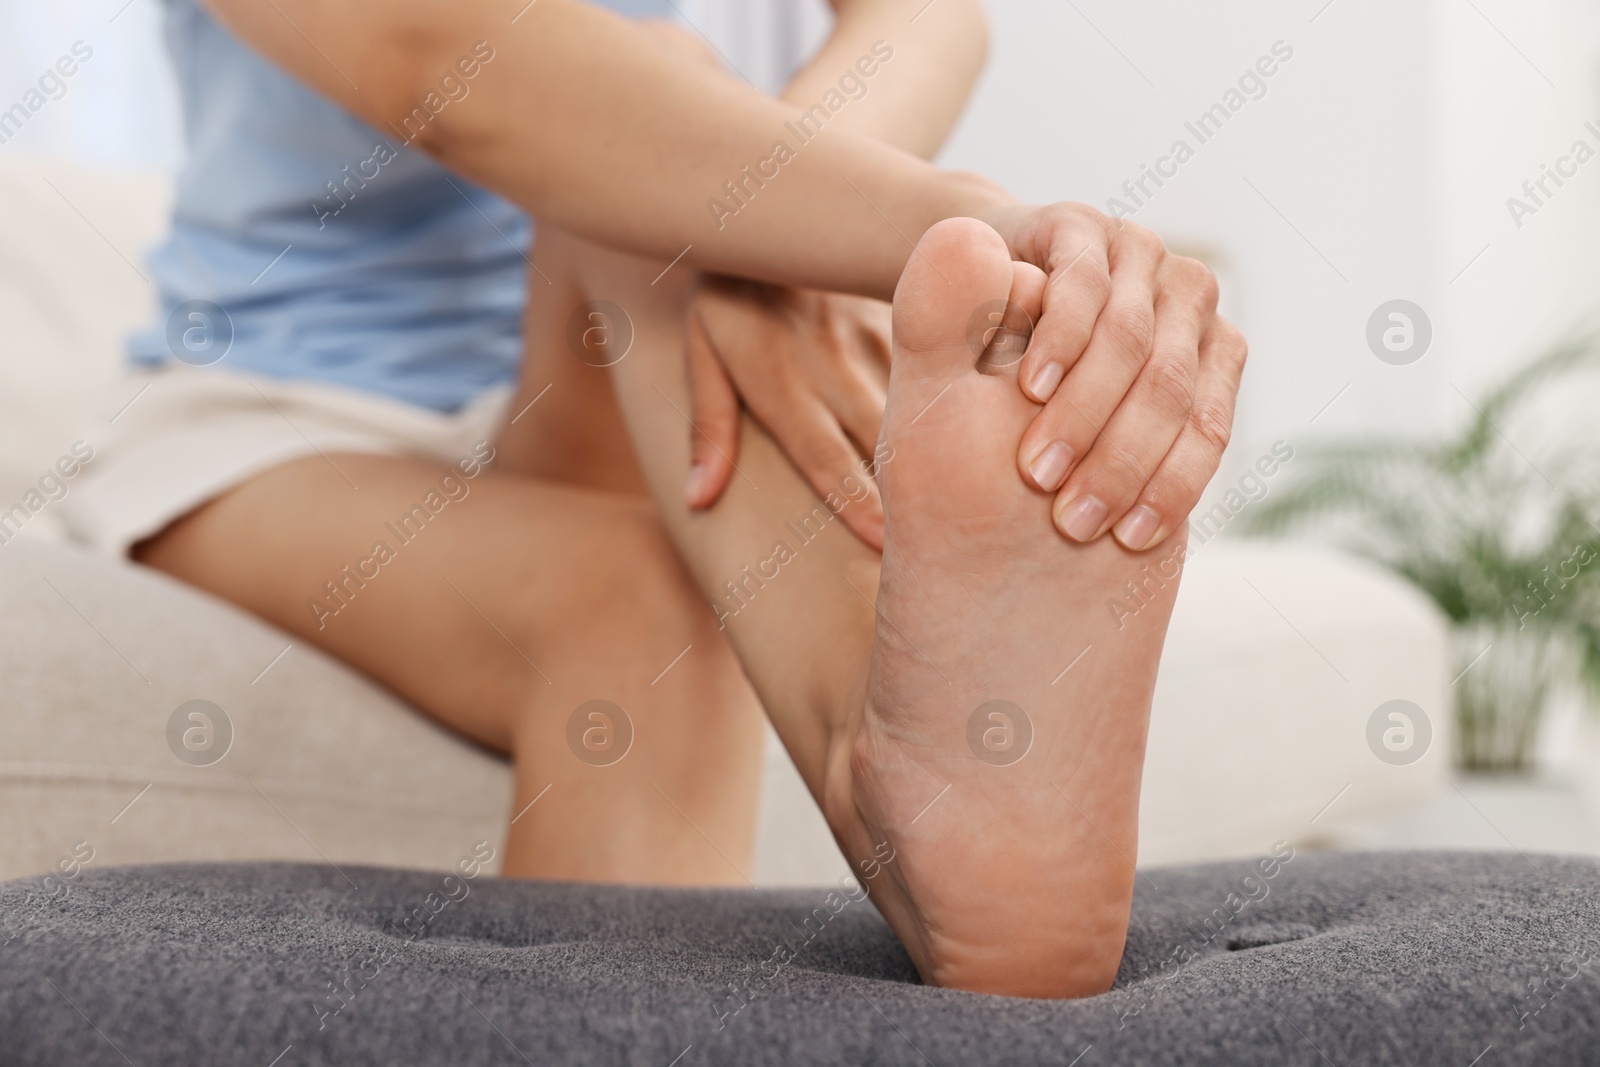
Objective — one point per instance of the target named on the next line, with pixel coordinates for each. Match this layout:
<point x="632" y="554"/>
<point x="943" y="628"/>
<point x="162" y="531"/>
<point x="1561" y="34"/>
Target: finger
<point x="877" y="345"/>
<point x="877" y="317"/>
<point x="714" y="413"/>
<point x="810" y="435"/>
<point x="854" y="384"/>
<point x="1142" y="429"/>
<point x="1175" y="488"/>
<point x="1073" y="300"/>
<point x="1005" y="334"/>
<point x="858" y="400"/>
<point x="1063" y="433"/>
<point x="873" y="339"/>
<point x="1024" y="307"/>
<point x="1028" y="284"/>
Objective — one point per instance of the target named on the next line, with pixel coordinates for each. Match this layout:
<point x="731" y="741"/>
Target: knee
<point x="631" y="585"/>
<point x="618" y="617"/>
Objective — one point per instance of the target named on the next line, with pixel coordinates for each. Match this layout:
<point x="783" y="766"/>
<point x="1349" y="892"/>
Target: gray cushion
<point x="1338" y="959"/>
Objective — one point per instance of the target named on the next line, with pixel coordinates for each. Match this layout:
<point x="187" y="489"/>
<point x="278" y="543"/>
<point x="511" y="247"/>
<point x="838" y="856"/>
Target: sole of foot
<point x="988" y="790"/>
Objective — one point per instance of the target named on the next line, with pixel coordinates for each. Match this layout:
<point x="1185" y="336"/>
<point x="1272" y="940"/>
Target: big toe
<point x="952" y="296"/>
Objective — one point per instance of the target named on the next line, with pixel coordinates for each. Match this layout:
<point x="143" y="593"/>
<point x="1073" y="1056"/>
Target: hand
<point x="811" y="367"/>
<point x="1137" y="374"/>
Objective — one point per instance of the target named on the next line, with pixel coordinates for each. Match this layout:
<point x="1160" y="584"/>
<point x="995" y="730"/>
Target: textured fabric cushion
<point x="1341" y="959"/>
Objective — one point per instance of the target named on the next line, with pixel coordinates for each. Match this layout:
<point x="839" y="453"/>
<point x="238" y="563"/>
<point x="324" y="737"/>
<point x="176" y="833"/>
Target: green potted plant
<point x="1508" y="546"/>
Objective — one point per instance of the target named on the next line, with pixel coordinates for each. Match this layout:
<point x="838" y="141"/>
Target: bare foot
<point x="1004" y="784"/>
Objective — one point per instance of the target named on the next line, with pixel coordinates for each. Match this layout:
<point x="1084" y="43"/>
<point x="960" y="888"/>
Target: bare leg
<point x="1009" y="875"/>
<point x="803" y="634"/>
<point x="551" y="584"/>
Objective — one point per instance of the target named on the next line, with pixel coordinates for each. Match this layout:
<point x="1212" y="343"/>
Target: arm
<point x="578" y="104"/>
<point x="913" y="100"/>
<point x="584" y="119"/>
<point x="809" y="365"/>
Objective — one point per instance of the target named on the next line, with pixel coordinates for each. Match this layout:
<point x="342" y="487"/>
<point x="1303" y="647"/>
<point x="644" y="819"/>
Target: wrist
<point x="966" y="194"/>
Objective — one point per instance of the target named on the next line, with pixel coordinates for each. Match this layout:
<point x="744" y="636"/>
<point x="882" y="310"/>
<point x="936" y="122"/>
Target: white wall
<point x="119" y="109"/>
<point x="1390" y="142"/>
<point x="1499" y="122"/>
<point x="1340" y="145"/>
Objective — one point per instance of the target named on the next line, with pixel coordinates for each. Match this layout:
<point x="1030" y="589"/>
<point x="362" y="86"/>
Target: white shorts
<point x="191" y="434"/>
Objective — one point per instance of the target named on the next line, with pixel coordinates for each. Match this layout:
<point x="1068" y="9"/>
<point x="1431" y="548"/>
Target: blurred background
<point x="1418" y="341"/>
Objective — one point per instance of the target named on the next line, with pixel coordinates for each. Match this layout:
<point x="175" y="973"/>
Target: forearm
<point x="912" y="99"/>
<point x="582" y="118"/>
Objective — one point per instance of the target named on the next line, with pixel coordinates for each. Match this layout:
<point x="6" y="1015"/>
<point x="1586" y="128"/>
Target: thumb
<point x="714" y="411"/>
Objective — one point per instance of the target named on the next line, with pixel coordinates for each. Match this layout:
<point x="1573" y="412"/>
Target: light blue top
<point x="334" y="252"/>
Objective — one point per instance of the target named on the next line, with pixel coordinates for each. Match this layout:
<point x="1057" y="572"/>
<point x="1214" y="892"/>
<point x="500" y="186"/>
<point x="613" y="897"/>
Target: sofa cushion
<point x="99" y="655"/>
<point x="308" y="758"/>
<point x="1292" y="959"/>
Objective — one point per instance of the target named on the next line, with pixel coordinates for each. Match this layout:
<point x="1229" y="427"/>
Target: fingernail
<point x="1045" y="380"/>
<point x="1138" y="528"/>
<point x="696" y="485"/>
<point x="1082" y="518"/>
<point x="1049" y="467"/>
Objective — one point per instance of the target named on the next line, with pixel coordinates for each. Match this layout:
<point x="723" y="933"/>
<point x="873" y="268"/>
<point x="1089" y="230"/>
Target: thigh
<point x="468" y="597"/>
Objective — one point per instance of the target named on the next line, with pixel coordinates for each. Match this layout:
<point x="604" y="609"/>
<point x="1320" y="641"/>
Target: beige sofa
<point x="1278" y="657"/>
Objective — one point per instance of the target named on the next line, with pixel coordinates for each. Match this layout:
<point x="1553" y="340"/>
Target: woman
<point x="696" y="401"/>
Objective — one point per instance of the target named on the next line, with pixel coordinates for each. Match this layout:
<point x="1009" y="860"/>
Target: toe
<point x="952" y="297"/>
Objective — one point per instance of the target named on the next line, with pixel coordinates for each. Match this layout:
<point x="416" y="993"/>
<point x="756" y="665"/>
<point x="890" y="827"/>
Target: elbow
<point x="430" y="114"/>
